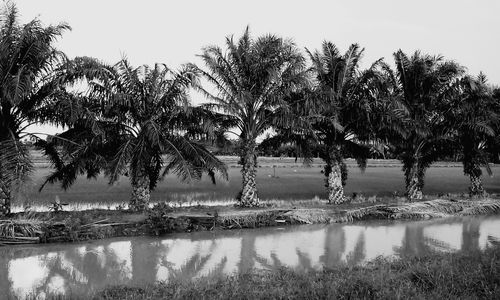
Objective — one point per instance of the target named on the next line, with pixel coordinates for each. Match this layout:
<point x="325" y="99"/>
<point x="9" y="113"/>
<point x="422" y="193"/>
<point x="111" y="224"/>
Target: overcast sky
<point x="173" y="32"/>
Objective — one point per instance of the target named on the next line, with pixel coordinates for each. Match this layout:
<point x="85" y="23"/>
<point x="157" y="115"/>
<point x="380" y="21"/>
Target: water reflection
<point x="82" y="268"/>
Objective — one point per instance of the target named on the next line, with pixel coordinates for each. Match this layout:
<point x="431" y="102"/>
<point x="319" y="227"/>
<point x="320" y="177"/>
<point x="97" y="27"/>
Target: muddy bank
<point x="29" y="228"/>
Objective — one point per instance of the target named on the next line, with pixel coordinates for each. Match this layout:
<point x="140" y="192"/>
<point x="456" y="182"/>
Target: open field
<point x="292" y="181"/>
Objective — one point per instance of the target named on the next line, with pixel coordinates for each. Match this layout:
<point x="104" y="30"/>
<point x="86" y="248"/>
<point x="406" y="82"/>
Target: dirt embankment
<point x="162" y="219"/>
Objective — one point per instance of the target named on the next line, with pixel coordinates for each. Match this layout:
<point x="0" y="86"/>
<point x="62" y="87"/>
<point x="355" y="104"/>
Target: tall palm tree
<point x="340" y="111"/>
<point x="29" y="84"/>
<point x="493" y="144"/>
<point x="251" y="78"/>
<point x="420" y="133"/>
<point x="135" y="122"/>
<point x="474" y="117"/>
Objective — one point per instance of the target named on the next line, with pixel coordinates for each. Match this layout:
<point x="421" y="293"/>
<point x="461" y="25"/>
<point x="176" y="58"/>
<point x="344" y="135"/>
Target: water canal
<point x="82" y="268"/>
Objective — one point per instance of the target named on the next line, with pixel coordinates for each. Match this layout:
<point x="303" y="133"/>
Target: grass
<point x="292" y="182"/>
<point x="469" y="275"/>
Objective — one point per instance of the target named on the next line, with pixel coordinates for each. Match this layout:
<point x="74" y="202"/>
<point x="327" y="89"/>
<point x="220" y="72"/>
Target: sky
<point x="174" y="32"/>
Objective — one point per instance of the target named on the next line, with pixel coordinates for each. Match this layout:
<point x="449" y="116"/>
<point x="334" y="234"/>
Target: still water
<point x="83" y="268"/>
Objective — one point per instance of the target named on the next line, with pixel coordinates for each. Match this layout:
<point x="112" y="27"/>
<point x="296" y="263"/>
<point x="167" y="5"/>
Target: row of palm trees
<point x="425" y="109"/>
<point x="139" y="122"/>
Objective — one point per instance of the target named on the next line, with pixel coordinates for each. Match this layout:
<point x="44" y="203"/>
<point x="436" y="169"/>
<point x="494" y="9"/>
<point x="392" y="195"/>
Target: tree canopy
<point x="251" y="78"/>
<point x="135" y="121"/>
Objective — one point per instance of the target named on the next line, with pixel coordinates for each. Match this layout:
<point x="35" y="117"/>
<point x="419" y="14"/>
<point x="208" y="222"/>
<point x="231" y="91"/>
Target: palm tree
<point x="340" y="111"/>
<point x="493" y="144"/>
<point x="29" y="84"/>
<point x="474" y="116"/>
<point x="135" y="122"/>
<point x="251" y="78"/>
<point x="419" y="133"/>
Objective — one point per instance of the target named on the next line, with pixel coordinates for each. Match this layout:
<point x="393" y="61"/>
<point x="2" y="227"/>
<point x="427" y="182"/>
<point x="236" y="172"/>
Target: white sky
<point x="173" y="32"/>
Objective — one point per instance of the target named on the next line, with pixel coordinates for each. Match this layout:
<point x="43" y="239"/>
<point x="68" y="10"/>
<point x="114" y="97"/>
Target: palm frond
<point x="15" y="166"/>
<point x="483" y="207"/>
<point x="251" y="78"/>
<point x="189" y="160"/>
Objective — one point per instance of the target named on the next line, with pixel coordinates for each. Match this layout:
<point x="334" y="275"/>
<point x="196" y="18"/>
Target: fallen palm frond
<point x="371" y="212"/>
<point x="20" y="231"/>
<point x="438" y="208"/>
<point x="309" y="216"/>
<point x="94" y="223"/>
<point x="71" y="230"/>
<point x="418" y="215"/>
<point x="19" y="240"/>
<point x="482" y="207"/>
<point x="20" y="228"/>
<point x="438" y="205"/>
<point x="30" y="230"/>
<point x="255" y="219"/>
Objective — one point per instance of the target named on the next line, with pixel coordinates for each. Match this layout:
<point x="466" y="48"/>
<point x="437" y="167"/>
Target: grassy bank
<point x="473" y="275"/>
<point x="71" y="226"/>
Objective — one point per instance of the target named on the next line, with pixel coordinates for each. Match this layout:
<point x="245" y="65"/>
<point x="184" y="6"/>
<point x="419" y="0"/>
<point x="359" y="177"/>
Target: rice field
<point x="289" y="180"/>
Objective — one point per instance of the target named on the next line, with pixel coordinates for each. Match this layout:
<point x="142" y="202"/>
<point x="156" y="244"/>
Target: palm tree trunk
<point x="5" y="199"/>
<point x="333" y="173"/>
<point x="476" y="188"/>
<point x="140" y="194"/>
<point x="248" y="195"/>
<point x="335" y="188"/>
<point x="414" y="183"/>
